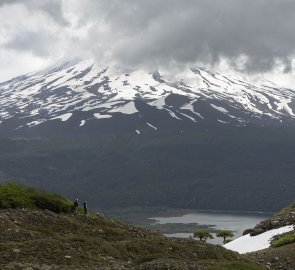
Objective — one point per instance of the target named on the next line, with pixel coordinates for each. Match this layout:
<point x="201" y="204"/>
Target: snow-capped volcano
<point x="82" y="94"/>
<point x="132" y="137"/>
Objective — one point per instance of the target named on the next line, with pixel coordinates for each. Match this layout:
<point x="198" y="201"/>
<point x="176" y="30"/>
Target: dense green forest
<point x="229" y="169"/>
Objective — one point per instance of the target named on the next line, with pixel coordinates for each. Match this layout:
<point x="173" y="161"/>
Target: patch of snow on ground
<point x="82" y="123"/>
<point x="64" y="117"/>
<point x="107" y="105"/>
<point x="223" y="122"/>
<point x="101" y="116"/>
<point x="249" y="243"/>
<point x="219" y="108"/>
<point x="155" y="128"/>
<point x="159" y="103"/>
<point x="128" y="108"/>
<point x="34" y="123"/>
<point x="283" y="105"/>
<point x="172" y="114"/>
<point x="190" y="107"/>
<point x="189" y="117"/>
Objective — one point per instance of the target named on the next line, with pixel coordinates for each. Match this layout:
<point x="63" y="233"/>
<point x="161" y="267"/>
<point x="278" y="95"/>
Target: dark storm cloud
<point x="200" y="30"/>
<point x="254" y="35"/>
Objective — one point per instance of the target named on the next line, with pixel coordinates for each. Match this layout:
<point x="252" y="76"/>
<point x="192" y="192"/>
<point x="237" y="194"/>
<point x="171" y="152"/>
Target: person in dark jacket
<point x="76" y="204"/>
<point x="85" y="208"/>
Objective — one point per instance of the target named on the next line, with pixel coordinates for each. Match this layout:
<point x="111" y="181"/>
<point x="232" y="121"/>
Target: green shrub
<point x="203" y="235"/>
<point x="284" y="240"/>
<point x="224" y="234"/>
<point x="18" y="196"/>
<point x="52" y="202"/>
<point x="14" y="196"/>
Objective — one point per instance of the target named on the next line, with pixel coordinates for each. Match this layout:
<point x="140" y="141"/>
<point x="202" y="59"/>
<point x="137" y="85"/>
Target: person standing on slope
<point x="76" y="204"/>
<point x="85" y="208"/>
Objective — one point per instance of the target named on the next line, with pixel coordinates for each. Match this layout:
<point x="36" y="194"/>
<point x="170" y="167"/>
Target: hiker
<point x="85" y="208"/>
<point x="76" y="204"/>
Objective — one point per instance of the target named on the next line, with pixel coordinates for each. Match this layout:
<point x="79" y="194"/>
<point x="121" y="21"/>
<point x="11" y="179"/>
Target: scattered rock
<point x="247" y="231"/>
<point x="274" y="259"/>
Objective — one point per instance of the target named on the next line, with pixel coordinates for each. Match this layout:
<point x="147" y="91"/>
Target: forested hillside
<point x="236" y="169"/>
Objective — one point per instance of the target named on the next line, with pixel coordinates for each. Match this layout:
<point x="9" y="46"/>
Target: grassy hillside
<point x="41" y="239"/>
<point x="18" y="196"/>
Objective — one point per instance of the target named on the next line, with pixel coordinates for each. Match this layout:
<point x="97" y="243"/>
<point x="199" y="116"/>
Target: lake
<point x="214" y="221"/>
<point x="183" y="222"/>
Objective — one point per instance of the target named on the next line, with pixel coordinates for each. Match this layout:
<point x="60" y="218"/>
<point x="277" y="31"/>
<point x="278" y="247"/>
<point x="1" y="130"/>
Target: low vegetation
<point x="284" y="239"/>
<point x="203" y="235"/>
<point x="225" y="234"/>
<point x="18" y="196"/>
<point x="291" y="207"/>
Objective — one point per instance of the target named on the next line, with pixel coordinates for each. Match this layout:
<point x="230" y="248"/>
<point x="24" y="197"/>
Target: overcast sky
<point x="253" y="36"/>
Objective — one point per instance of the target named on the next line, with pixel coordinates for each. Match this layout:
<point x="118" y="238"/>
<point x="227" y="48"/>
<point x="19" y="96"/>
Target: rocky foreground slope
<point x="34" y="237"/>
<point x="281" y="253"/>
<point x="41" y="239"/>
<point x="281" y="245"/>
<point x="280" y="258"/>
<point x="41" y="230"/>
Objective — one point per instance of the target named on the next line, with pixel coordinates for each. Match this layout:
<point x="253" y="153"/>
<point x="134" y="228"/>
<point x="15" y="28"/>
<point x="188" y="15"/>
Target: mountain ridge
<point x="86" y="93"/>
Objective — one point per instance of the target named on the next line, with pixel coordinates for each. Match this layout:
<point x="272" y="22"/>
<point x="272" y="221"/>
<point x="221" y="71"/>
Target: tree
<point x="202" y="235"/>
<point x="224" y="234"/>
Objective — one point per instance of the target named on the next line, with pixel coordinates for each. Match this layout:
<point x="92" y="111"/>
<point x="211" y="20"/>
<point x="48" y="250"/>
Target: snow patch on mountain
<point x="189" y="117"/>
<point x="63" y="117"/>
<point x="159" y="103"/>
<point x="283" y="105"/>
<point x="128" y="108"/>
<point x="190" y="107"/>
<point x="82" y="123"/>
<point x="219" y="108"/>
<point x="101" y="116"/>
<point x="223" y="122"/>
<point x="152" y="126"/>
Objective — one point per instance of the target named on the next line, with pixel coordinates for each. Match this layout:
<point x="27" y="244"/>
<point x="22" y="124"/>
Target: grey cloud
<point x="52" y="8"/>
<point x="160" y="32"/>
<point x="197" y="30"/>
<point x="30" y="41"/>
<point x="27" y="31"/>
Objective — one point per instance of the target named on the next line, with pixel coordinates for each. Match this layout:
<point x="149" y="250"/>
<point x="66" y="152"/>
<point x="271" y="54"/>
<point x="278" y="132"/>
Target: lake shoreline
<point x="182" y="223"/>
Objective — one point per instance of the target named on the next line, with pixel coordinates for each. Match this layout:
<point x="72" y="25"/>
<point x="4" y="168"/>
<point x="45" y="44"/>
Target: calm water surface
<point x="236" y="222"/>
